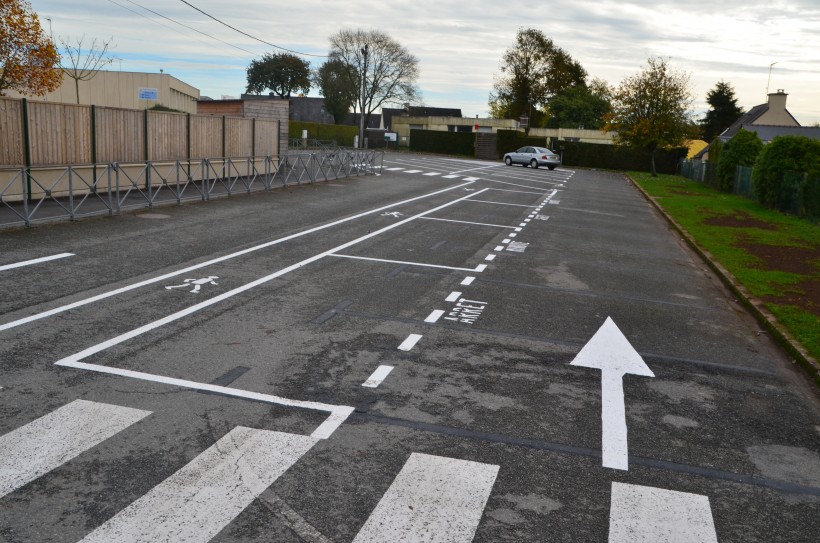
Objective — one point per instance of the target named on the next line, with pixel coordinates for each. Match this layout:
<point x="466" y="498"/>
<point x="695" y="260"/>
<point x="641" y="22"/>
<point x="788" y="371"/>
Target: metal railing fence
<point x="32" y="195"/>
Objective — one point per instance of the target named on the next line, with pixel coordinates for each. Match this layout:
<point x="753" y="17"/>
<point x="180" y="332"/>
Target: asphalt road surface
<point x="451" y="351"/>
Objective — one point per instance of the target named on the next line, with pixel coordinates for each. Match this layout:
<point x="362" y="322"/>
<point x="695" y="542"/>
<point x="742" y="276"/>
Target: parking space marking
<point x="499" y="248"/>
<point x="481" y="267"/>
<point x="413" y="171"/>
<point x="499" y="203"/>
<point x="410" y="342"/>
<point x="432" y="174"/>
<point x="205" y="495"/>
<point x="34" y="261"/>
<point x="378" y="376"/>
<point x="211" y="262"/>
<point x="433" y="498"/>
<point x="420" y="264"/>
<point x="640" y="514"/>
<point x="52" y="440"/>
<point x="467" y="222"/>
<point x="468" y="281"/>
<point x="434" y="316"/>
<point x="489" y="258"/>
<point x="453" y="296"/>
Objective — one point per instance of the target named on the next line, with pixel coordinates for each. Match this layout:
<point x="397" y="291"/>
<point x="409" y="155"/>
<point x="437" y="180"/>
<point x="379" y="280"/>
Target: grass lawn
<point x="775" y="256"/>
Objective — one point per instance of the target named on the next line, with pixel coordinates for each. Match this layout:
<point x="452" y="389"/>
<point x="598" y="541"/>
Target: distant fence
<point x="797" y="194"/>
<point x="70" y="192"/>
<point x="34" y="134"/>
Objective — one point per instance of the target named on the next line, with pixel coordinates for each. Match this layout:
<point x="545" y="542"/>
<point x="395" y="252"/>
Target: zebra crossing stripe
<point x="432" y="499"/>
<point x="198" y="501"/>
<point x="642" y="514"/>
<point x="48" y="442"/>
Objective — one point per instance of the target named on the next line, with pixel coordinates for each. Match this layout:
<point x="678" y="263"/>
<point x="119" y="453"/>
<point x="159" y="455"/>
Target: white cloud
<point x="459" y="45"/>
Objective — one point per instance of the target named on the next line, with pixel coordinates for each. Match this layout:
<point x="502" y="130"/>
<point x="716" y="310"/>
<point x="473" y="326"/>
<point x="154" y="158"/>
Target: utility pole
<point x="364" y="50"/>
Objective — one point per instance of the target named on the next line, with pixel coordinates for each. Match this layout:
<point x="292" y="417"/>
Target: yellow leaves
<point x="28" y="57"/>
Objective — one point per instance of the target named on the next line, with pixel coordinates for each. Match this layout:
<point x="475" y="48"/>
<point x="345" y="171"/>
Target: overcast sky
<point x="459" y="44"/>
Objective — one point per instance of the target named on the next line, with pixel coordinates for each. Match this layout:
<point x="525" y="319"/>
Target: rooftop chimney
<point x="777" y="100"/>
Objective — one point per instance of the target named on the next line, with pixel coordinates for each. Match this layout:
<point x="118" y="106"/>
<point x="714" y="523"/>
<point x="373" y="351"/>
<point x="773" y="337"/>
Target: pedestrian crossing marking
<point x="433" y="499"/>
<point x="48" y="442"/>
<point x="198" y="501"/>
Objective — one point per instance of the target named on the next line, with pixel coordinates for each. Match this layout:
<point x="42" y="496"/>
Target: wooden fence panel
<point x="12" y="152"/>
<point x="238" y="137"/>
<point x="167" y="136"/>
<point x="267" y="138"/>
<point x="59" y="133"/>
<point x="120" y="135"/>
<point x="206" y="136"/>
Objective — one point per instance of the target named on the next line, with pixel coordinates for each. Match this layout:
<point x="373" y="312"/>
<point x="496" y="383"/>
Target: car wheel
<point x="508" y="161"/>
<point x="551" y="167"/>
<point x="534" y="164"/>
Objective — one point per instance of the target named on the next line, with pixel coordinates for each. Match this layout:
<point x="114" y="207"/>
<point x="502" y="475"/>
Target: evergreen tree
<point x="723" y="112"/>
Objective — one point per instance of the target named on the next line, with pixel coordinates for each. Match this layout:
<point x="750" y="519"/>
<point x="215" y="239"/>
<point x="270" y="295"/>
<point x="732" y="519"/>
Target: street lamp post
<point x="364" y="50"/>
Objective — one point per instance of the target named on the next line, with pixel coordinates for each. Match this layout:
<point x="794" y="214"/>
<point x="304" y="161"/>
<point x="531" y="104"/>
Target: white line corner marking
<point x="610" y="352"/>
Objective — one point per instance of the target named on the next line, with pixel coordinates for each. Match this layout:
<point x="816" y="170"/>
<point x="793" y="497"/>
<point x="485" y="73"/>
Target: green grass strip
<point x="741" y="236"/>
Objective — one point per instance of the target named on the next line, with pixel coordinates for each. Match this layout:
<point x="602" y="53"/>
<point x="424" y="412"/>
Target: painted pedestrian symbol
<point x="395" y="214"/>
<point x="196" y="283"/>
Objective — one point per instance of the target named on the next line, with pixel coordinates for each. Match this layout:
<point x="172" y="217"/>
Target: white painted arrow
<point x="610" y="352"/>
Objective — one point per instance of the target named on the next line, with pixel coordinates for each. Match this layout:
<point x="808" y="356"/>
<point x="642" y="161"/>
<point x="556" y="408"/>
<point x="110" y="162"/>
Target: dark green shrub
<point x="610" y="157"/>
<point x="511" y="140"/>
<point x="447" y="143"/>
<point x="741" y="150"/>
<point x="796" y="154"/>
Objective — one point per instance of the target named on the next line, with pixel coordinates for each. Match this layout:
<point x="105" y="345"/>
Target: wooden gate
<point x="486" y="146"/>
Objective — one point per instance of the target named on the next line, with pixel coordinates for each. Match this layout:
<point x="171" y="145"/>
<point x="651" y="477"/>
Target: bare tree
<point x="82" y="64"/>
<point x="388" y="71"/>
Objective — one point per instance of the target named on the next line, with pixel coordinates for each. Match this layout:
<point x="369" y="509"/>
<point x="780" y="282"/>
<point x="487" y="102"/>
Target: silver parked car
<point x="533" y="156"/>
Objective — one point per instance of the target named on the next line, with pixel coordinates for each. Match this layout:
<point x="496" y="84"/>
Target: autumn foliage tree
<point x="651" y="109"/>
<point x="28" y="57"/>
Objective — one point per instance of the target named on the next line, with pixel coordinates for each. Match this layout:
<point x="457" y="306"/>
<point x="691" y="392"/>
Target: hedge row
<point x="342" y="134"/>
<point x="510" y="140"/>
<point x="610" y="157"/>
<point x="448" y="143"/>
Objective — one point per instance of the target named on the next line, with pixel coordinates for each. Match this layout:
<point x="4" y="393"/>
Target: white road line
<point x="451" y="176"/>
<point x="432" y="174"/>
<point x="499" y="203"/>
<point x="555" y="202"/>
<point x="480" y="268"/>
<point x="518" y="191"/>
<point x="489" y="258"/>
<point x="455" y="295"/>
<point x="412" y="171"/>
<point x="466" y="222"/>
<point x="472" y="178"/>
<point x="420" y="264"/>
<point x="34" y="261"/>
<point x="432" y="499"/>
<point x="518" y="229"/>
<point x="641" y="514"/>
<point x="523" y="224"/>
<point x="48" y="442"/>
<point x="163" y="277"/>
<point x="198" y="501"/>
<point x="513" y="234"/>
<point x="499" y="247"/>
<point x="410" y="342"/>
<point x="468" y="281"/>
<point x="434" y="316"/>
<point x="338" y="413"/>
<point x="378" y="376"/>
<point x="505" y="241"/>
<point x="393" y="169"/>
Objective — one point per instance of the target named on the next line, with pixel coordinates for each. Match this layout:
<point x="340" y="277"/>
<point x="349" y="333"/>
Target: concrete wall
<point x="575" y="134"/>
<point x="122" y="89"/>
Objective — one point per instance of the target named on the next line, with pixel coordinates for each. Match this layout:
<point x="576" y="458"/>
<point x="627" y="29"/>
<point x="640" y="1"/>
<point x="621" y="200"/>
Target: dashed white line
<point x="490" y="258"/>
<point x="378" y="376"/>
<point x="480" y="268"/>
<point x="499" y="247"/>
<point x="455" y="295"/>
<point x="432" y="174"/>
<point x="410" y="342"/>
<point x="434" y="316"/>
<point x="468" y="281"/>
<point x="505" y="241"/>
